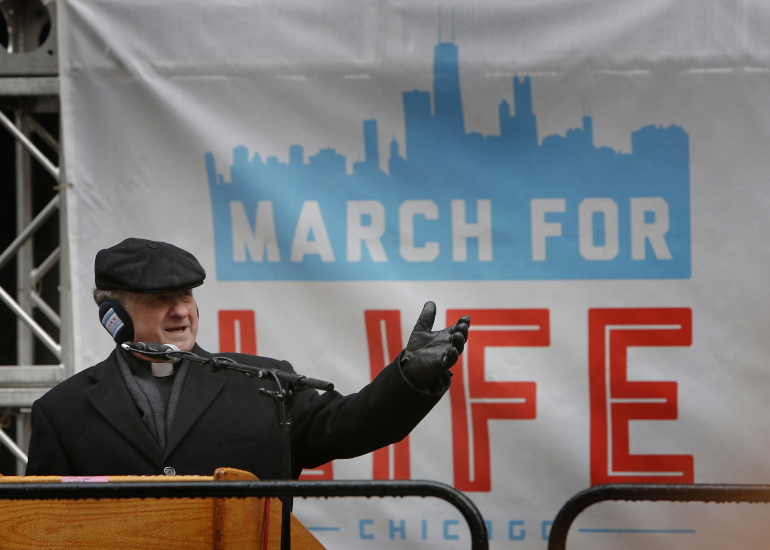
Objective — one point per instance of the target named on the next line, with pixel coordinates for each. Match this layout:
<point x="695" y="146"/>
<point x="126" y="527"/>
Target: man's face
<point x="167" y="318"/>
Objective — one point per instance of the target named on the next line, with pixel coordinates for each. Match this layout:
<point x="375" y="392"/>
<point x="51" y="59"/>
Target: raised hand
<point x="428" y="353"/>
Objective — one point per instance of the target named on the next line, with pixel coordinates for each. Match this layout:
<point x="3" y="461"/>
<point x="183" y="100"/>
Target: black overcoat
<point x="89" y="426"/>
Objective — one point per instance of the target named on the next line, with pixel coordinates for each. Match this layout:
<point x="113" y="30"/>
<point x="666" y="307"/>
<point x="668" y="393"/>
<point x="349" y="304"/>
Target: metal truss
<point x="29" y="86"/>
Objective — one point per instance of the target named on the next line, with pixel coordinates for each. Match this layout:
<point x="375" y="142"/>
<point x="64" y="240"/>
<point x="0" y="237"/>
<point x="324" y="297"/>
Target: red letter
<point x="235" y="325"/>
<point x="615" y="400"/>
<point x="383" y="333"/>
<point x="476" y="401"/>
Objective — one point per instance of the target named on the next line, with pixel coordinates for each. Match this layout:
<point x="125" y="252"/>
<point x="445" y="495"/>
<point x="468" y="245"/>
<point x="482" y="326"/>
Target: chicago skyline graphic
<point x="458" y="205"/>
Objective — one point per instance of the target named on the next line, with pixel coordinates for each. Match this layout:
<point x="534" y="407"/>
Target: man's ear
<point x="116" y="320"/>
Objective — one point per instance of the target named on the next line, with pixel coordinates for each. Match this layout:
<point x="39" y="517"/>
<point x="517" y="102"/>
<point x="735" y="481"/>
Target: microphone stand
<point x="286" y="383"/>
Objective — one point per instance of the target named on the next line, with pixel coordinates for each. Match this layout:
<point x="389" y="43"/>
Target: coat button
<point x="169" y="471"/>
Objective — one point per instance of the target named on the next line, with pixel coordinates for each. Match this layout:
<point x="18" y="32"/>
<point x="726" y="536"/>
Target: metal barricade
<point x="649" y="492"/>
<point x="241" y="489"/>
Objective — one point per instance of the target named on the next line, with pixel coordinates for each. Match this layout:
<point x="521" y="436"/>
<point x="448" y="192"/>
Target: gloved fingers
<point x="450" y="357"/>
<point x="458" y="342"/>
<point x="462" y="326"/>
<point x="425" y="321"/>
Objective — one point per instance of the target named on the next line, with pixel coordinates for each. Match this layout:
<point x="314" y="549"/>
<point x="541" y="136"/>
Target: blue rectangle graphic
<point x="459" y="205"/>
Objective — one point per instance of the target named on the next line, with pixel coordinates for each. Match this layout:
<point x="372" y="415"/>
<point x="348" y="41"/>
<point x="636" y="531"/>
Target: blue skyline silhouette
<point x="441" y="162"/>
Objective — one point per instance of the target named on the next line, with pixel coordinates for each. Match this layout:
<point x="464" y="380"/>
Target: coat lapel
<point x="109" y="395"/>
<point x="201" y="387"/>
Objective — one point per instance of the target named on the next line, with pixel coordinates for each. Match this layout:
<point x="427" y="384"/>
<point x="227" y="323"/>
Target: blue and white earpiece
<point x="116" y="320"/>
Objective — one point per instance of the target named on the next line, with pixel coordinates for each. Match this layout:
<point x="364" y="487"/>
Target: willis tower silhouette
<point x="426" y="128"/>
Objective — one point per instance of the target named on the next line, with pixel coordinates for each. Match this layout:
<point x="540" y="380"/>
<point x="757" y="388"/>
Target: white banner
<point x="586" y="180"/>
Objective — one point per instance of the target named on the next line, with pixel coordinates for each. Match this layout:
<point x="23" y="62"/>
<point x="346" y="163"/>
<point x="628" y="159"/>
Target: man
<point x="133" y="415"/>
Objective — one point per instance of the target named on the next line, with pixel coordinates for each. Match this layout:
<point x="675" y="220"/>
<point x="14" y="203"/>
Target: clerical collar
<point x="161" y="370"/>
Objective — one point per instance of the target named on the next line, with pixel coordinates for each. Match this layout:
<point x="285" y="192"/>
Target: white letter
<point x="310" y="219"/>
<point x="653" y="231"/>
<point x="262" y="237"/>
<point x="406" y="213"/>
<point x="586" y="222"/>
<point x="482" y="229"/>
<point x="370" y="234"/>
<point x="542" y="229"/>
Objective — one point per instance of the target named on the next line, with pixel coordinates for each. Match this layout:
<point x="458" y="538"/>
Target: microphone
<point x="153" y="349"/>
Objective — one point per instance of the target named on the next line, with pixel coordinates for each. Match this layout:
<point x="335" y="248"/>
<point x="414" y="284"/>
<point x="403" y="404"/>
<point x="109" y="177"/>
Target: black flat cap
<point x="143" y="266"/>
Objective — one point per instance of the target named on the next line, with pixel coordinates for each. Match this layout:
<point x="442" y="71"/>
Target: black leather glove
<point x="428" y="354"/>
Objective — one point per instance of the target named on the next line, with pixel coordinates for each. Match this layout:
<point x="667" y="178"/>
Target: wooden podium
<point x="150" y="523"/>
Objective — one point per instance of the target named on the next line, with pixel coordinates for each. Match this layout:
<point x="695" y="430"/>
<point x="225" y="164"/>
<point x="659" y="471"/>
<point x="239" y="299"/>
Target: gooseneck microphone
<point x="153" y="349"/>
<point x="171" y="354"/>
